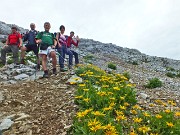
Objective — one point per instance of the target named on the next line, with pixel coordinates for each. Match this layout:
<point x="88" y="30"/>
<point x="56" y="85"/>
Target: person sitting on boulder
<point x="31" y="45"/>
<point x="70" y="51"/>
<point x="61" y="46"/>
<point x="47" y="43"/>
<point x="13" y="43"/>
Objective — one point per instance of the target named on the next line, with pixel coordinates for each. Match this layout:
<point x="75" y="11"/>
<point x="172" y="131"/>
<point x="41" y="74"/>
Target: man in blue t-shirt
<point x="31" y="44"/>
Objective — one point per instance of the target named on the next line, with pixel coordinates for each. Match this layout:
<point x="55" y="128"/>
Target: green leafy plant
<point x="88" y="58"/>
<point x="135" y="63"/>
<point x="127" y="75"/>
<point x="171" y="75"/>
<point x="153" y="83"/>
<point x="107" y="106"/>
<point x="178" y="75"/>
<point x="112" y="66"/>
<point x="170" y="69"/>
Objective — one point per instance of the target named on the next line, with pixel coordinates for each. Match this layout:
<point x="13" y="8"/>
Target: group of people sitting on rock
<point x="44" y="44"/>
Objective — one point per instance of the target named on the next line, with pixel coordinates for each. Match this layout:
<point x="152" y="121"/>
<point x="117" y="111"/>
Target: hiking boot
<point x="22" y="61"/>
<point x="54" y="71"/>
<point x="70" y="67"/>
<point x="46" y="75"/>
<point x="63" y="69"/>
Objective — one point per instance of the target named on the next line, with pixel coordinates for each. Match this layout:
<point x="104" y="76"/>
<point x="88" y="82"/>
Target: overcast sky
<point x="151" y="26"/>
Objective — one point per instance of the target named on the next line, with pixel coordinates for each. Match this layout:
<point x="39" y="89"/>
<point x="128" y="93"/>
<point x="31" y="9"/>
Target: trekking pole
<point x="60" y="56"/>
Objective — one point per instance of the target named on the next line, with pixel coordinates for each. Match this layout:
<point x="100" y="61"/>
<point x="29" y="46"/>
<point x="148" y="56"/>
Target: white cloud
<point x="147" y="25"/>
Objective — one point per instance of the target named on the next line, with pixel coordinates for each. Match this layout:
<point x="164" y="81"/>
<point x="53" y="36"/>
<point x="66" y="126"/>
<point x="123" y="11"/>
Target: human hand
<point x="77" y="37"/>
<point x="5" y="46"/>
<point x="53" y="47"/>
<point x="38" y="41"/>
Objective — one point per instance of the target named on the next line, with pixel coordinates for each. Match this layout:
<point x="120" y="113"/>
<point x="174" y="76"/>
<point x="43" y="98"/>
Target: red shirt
<point x="14" y="38"/>
<point x="71" y="41"/>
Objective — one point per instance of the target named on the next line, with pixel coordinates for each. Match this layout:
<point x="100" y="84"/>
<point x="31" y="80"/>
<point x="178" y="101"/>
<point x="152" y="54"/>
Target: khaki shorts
<point x="47" y="51"/>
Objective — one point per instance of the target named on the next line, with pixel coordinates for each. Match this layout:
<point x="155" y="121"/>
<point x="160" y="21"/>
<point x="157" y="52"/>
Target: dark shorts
<point x="33" y="48"/>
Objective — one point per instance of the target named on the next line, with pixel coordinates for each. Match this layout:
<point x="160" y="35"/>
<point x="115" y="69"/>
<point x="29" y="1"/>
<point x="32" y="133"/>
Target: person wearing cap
<point x="47" y="43"/>
<point x="13" y="43"/>
<point x="31" y="44"/>
<point x="70" y="51"/>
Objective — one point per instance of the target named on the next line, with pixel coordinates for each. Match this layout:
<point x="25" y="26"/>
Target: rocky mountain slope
<point x="31" y="106"/>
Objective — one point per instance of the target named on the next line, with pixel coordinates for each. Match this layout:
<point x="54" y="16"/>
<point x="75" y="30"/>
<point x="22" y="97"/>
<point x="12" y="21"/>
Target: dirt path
<point x="48" y="104"/>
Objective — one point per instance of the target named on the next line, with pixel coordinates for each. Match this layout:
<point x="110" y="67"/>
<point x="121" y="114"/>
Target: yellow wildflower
<point x="137" y="120"/>
<point x="171" y="103"/>
<point x="158" y="116"/>
<point x="132" y="133"/>
<point x="96" y="127"/>
<point x="169" y="124"/>
<point x="126" y="104"/>
<point x="112" y="104"/>
<point x="109" y="132"/>
<point x="167" y="111"/>
<point x="122" y="98"/>
<point x="110" y="93"/>
<point x="86" y="99"/>
<point x="97" y="113"/>
<point x="119" y="112"/>
<point x="146" y="114"/>
<point x="84" y="113"/>
<point x="120" y="117"/>
<point x="144" y="129"/>
<point x="78" y="97"/>
<point x="122" y="107"/>
<point x="107" y="108"/>
<point x="105" y="86"/>
<point x="109" y="127"/>
<point x="137" y="107"/>
<point x="112" y="98"/>
<point x="82" y="85"/>
<point x="101" y="93"/>
<point x="93" y="122"/>
<point x="82" y="75"/>
<point x="177" y="114"/>
<point x="86" y="89"/>
<point x="72" y="83"/>
<point x="116" y="88"/>
<point x="151" y="105"/>
<point x="134" y="112"/>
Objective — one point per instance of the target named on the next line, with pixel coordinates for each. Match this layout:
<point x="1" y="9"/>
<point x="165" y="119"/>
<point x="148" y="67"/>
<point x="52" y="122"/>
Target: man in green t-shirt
<point x="47" y="43"/>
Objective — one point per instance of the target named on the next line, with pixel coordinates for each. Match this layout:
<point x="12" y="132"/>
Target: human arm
<point x="20" y="42"/>
<point x="38" y="38"/>
<point x="76" y="43"/>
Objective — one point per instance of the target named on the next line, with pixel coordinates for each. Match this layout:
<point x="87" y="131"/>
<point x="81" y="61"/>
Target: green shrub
<point x="112" y="66"/>
<point x="127" y="75"/>
<point x="170" y="69"/>
<point x="154" y="83"/>
<point x="88" y="57"/>
<point x="171" y="75"/>
<point x="178" y="75"/>
<point x="135" y="63"/>
<point x="10" y="61"/>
